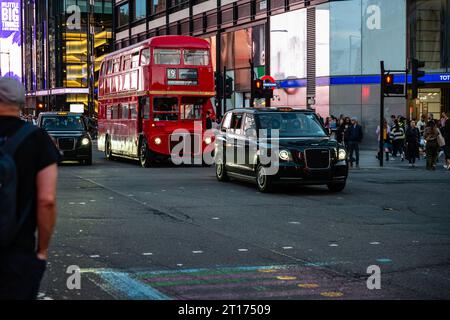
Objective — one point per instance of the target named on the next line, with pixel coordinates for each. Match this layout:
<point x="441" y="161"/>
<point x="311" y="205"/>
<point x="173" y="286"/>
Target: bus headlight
<point x="157" y="141"/>
<point x="285" y="155"/>
<point x="85" y="141"/>
<point x="342" y="154"/>
<point x="208" y="140"/>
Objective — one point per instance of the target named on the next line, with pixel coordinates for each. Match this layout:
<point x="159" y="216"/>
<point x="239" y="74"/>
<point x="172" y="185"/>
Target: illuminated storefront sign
<point x="10" y="39"/>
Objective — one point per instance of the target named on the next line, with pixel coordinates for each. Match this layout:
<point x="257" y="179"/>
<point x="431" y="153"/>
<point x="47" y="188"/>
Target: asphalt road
<point x="172" y="232"/>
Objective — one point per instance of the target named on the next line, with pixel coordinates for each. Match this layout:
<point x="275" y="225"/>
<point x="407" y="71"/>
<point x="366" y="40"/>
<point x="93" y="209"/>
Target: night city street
<point x="176" y="233"/>
<point x="225" y="158"/>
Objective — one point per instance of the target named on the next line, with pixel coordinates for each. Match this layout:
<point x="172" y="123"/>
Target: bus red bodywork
<point x="148" y="90"/>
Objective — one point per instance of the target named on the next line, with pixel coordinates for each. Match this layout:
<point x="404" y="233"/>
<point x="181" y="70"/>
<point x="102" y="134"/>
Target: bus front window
<point x="191" y="109"/>
<point x="165" y="109"/>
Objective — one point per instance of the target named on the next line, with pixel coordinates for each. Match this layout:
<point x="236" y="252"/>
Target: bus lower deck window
<point x="165" y="109"/>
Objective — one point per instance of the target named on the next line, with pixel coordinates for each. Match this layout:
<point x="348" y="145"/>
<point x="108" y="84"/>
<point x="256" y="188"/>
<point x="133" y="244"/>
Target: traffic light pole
<point x="252" y="78"/>
<point x="224" y="84"/>
<point x="381" y="132"/>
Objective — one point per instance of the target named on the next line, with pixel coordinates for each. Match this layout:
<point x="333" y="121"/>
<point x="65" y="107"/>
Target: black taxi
<point x="278" y="145"/>
<point x="70" y="133"/>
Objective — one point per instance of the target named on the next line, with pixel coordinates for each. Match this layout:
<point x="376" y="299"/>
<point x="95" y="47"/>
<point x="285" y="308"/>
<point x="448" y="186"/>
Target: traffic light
<point x="228" y="87"/>
<point x="416" y="75"/>
<point x="219" y="84"/>
<point x="389" y="85"/>
<point x="258" y="87"/>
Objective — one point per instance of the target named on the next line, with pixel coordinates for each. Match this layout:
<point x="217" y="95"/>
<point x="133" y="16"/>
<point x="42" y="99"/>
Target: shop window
<point x="140" y="9"/>
<point x="123" y="15"/>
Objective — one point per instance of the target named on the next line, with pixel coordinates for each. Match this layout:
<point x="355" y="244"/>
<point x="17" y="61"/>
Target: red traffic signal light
<point x="258" y="84"/>
<point x="40" y="106"/>
<point x="389" y="79"/>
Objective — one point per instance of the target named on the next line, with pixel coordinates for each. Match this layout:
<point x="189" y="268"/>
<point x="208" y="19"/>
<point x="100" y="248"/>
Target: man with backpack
<point x="28" y="174"/>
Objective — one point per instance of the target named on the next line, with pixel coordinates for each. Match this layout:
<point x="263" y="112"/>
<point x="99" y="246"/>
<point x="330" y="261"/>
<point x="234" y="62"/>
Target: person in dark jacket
<point x="412" y="143"/>
<point x="446" y="134"/>
<point x="355" y="135"/>
<point x="342" y="133"/>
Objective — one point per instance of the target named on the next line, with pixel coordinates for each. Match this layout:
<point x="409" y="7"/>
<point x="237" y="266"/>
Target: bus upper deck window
<point x="167" y="56"/>
<point x="145" y="57"/>
<point x="196" y="57"/>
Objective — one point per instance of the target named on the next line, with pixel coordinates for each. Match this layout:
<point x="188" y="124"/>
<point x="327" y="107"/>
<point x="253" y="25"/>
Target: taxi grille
<point x="65" y="144"/>
<point x="317" y="158"/>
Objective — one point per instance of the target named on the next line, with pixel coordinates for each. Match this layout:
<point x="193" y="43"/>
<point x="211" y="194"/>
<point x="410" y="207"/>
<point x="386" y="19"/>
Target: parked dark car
<point x="305" y="153"/>
<point x="70" y="133"/>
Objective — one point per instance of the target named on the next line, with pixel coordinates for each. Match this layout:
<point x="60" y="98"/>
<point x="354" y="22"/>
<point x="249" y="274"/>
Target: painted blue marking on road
<point x="384" y="260"/>
<point x="131" y="288"/>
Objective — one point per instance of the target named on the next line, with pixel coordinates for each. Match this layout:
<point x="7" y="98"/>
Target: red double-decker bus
<point x="149" y="90"/>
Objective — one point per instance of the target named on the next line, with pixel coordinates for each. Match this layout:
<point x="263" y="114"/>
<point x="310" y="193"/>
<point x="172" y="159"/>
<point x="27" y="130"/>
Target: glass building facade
<point x="65" y="41"/>
<point x="324" y="54"/>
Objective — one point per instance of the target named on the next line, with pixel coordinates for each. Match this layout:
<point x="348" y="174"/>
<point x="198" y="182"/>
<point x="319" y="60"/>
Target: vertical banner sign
<point x="10" y="39"/>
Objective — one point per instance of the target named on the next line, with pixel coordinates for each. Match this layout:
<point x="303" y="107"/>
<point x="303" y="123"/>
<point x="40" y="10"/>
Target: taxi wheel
<point x="88" y="162"/>
<point x="221" y="172"/>
<point x="336" y="187"/>
<point x="108" y="151"/>
<point x="144" y="155"/>
<point x="263" y="181"/>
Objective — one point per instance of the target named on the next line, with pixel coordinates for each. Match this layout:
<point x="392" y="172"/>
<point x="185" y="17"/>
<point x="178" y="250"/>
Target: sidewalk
<point x="368" y="160"/>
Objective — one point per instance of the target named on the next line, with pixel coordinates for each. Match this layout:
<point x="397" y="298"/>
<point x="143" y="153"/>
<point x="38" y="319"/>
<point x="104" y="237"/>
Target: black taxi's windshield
<point x="291" y="124"/>
<point x="63" y="123"/>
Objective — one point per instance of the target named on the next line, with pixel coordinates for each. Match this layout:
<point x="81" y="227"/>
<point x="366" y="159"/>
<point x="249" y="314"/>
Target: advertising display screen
<point x="10" y="39"/>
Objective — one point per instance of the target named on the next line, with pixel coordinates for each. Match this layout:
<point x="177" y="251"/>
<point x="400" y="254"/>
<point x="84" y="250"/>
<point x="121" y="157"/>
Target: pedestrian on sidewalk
<point x="432" y="146"/>
<point x="386" y="140"/>
<point x="342" y="132"/>
<point x="397" y="136"/>
<point x="355" y="136"/>
<point x="27" y="197"/>
<point x="412" y="143"/>
<point x="446" y="134"/>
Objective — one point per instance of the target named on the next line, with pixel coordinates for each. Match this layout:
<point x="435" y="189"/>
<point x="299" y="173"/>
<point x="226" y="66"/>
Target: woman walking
<point x="412" y="143"/>
<point x="432" y="147"/>
<point x="398" y="139"/>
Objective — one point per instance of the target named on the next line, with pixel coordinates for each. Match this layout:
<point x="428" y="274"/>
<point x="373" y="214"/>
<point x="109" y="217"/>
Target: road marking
<point x="82" y="203"/>
<point x="375" y="243"/>
<point x="71" y="202"/>
<point x="332" y="294"/>
<point x="242" y="250"/>
<point x="197" y="252"/>
<point x="287" y="248"/>
<point x="384" y="260"/>
<point x="216" y="218"/>
<point x="294" y="222"/>
<point x="286" y="278"/>
<point x="147" y="254"/>
<point x="334" y="245"/>
<point x="131" y="288"/>
<point x="308" y="285"/>
<point x="94" y="256"/>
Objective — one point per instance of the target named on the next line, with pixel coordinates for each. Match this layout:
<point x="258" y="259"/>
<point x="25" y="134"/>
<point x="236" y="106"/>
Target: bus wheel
<point x="144" y="155"/>
<point x="108" y="150"/>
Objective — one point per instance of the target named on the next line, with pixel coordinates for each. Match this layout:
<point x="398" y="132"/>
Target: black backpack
<point x="10" y="223"/>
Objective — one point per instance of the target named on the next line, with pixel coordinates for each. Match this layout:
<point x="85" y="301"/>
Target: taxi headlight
<point x="85" y="141"/>
<point x="208" y="140"/>
<point x="157" y="141"/>
<point x="285" y="155"/>
<point x="342" y="154"/>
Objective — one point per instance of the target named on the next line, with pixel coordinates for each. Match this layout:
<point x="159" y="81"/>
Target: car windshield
<point x="292" y="124"/>
<point x="63" y="123"/>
